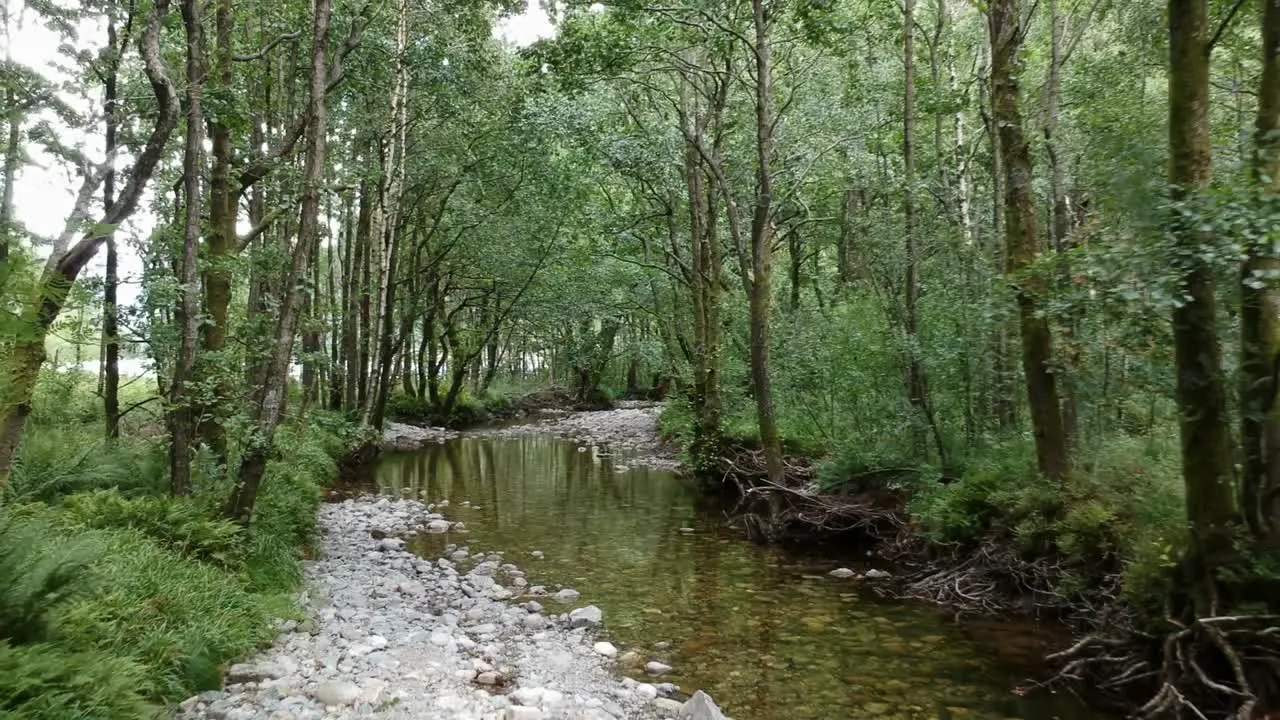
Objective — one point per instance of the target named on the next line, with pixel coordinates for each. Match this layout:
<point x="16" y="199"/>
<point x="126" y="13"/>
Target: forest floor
<point x="390" y="634"/>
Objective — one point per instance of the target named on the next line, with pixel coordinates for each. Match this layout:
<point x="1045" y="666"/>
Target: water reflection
<point x="765" y="632"/>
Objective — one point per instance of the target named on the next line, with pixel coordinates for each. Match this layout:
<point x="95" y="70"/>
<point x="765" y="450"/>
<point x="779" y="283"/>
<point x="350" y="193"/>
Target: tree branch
<point x="71" y="263"/>
<point x="287" y="37"/>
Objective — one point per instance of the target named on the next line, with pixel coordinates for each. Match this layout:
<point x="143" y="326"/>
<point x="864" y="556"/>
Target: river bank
<point x="392" y="633"/>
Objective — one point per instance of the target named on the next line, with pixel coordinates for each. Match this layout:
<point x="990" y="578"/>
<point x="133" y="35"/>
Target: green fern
<point x="46" y="682"/>
<point x="37" y="573"/>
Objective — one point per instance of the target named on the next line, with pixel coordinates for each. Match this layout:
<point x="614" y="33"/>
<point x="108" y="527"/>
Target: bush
<point x="46" y="682"/>
<point x="1000" y="491"/>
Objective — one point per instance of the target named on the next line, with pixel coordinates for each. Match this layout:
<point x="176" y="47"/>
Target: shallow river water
<point x="764" y="631"/>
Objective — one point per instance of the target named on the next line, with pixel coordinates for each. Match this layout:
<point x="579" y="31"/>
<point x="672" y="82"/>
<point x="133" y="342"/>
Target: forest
<point x="991" y="284"/>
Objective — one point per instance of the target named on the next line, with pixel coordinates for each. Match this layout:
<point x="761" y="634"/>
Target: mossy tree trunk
<point x="1260" y="309"/>
<point x="1207" y="456"/>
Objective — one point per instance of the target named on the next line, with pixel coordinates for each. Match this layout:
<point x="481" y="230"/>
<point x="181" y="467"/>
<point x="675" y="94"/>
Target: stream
<point x="764" y="631"/>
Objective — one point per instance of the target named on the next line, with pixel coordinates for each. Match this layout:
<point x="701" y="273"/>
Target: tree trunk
<point x="762" y="247"/>
<point x="186" y="312"/>
<point x="1260" y="310"/>
<point x="849" y="208"/>
<point x="364" y="239"/>
<point x="111" y="278"/>
<point x="392" y="227"/>
<point x="706" y="261"/>
<point x="271" y="396"/>
<point x="1206" y="442"/>
<point x="12" y="159"/>
<point x="1022" y="241"/>
<point x="1004" y="409"/>
<point x="337" y="305"/>
<point x="917" y="383"/>
<point x="221" y="245"/>
<point x="795" y="254"/>
<point x="1061" y="220"/>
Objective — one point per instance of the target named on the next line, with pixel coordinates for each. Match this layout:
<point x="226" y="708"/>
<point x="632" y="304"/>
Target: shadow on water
<point x="764" y="631"/>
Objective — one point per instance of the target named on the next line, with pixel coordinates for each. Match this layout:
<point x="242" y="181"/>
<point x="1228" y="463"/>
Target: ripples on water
<point x="764" y="631"/>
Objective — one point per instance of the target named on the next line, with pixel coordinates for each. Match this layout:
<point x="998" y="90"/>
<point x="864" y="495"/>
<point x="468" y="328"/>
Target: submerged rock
<point x="605" y="648"/>
<point x="874" y="574"/>
<point x="842" y="573"/>
<point x="567" y="595"/>
<point x="653" y="667"/>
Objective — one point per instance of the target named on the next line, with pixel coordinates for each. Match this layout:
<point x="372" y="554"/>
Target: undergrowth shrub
<point x="406" y="408"/>
<point x="1000" y="491"/>
<point x="115" y="597"/>
<point x="865" y="467"/>
<point x="675" y="421"/>
<point x="1119" y="510"/>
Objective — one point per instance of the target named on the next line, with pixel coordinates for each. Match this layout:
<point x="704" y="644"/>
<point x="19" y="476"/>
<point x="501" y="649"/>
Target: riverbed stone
<point x="842" y="573"/>
<point x="606" y="649"/>
<point x="700" y="706"/>
<point x="566" y="595"/>
<point x="407" y="638"/>
<point x="253" y="672"/>
<point x="337" y="692"/>
<point x="589" y="616"/>
<point x="668" y="706"/>
<point x="653" y="667"/>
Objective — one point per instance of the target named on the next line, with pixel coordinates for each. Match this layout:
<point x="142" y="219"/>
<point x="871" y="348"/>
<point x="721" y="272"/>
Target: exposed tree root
<point x="1217" y="667"/>
<point x="773" y="512"/>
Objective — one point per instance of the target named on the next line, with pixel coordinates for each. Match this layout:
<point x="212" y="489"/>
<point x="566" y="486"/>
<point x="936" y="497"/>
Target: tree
<point x="1022" y="239"/>
<point x="274" y="373"/>
<point x="66" y="261"/>
<point x="186" y="313"/>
